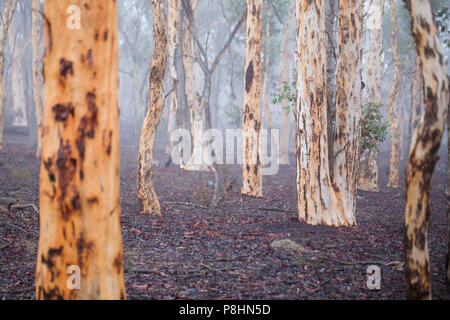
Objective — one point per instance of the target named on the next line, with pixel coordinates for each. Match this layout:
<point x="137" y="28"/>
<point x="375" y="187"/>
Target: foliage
<point x="442" y="16"/>
<point x="288" y="92"/>
<point x="373" y="128"/>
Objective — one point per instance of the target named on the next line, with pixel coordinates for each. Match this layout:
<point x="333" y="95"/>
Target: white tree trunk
<point x="368" y="171"/>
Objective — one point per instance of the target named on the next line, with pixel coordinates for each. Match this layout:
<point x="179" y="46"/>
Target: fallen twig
<point x="24" y="206"/>
<point x="6" y="245"/>
<point x="185" y="203"/>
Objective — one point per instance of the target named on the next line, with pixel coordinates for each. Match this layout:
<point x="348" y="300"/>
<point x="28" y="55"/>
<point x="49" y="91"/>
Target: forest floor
<point x="224" y="252"/>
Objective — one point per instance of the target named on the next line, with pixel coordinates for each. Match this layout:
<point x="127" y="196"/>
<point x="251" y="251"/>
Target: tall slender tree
<point x="368" y="171"/>
<point x="196" y="161"/>
<point x="37" y="74"/>
<point x="424" y="148"/>
<point x="79" y="183"/>
<point x="17" y="49"/>
<point x="173" y="17"/>
<point x="448" y="199"/>
<point x="391" y="105"/>
<point x="348" y="103"/>
<point x="251" y="170"/>
<point x="285" y="79"/>
<point x="322" y="200"/>
<point x="9" y="7"/>
<point x="148" y="201"/>
<point x="205" y="99"/>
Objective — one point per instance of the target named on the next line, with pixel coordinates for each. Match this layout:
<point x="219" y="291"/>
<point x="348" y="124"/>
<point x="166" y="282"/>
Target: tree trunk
<point x="423" y="153"/>
<point x="251" y="170"/>
<point x="182" y="116"/>
<point x="448" y="200"/>
<point x="196" y="161"/>
<point x="348" y="104"/>
<point x="331" y="40"/>
<point x="416" y="98"/>
<point x="265" y="91"/>
<point x="8" y="12"/>
<point x="285" y="78"/>
<point x="321" y="200"/>
<point x="267" y="118"/>
<point x="391" y="105"/>
<point x="148" y="201"/>
<point x="368" y="170"/>
<point x="79" y="195"/>
<point x="317" y="200"/>
<point x="37" y="74"/>
<point x="17" y="88"/>
<point x="174" y="8"/>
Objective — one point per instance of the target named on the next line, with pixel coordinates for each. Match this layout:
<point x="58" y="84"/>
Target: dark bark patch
<point x="249" y="74"/>
<point x="88" y="123"/>
<point x="65" y="67"/>
<point x="62" y="111"/>
<point x="90" y="59"/>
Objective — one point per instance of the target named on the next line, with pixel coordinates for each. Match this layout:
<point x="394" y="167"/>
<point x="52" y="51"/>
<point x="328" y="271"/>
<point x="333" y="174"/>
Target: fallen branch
<point x="6" y="245"/>
<point x="397" y="264"/>
<point x="185" y="203"/>
<point x="24" y="206"/>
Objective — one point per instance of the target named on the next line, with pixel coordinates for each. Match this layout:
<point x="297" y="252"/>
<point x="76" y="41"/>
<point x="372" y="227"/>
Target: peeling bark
<point x="368" y="170"/>
<point x="348" y="104"/>
<point x="79" y="182"/>
<point x="416" y="98"/>
<point x="321" y="200"/>
<point x="251" y="169"/>
<point x="37" y="74"/>
<point x="391" y="105"/>
<point x="148" y="201"/>
<point x="331" y="10"/>
<point x="9" y="8"/>
<point x="423" y="153"/>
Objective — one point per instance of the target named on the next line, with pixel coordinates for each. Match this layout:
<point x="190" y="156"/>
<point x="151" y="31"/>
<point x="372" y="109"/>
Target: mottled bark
<point x="285" y="78"/>
<point x="37" y="74"/>
<point x="79" y="183"/>
<point x="321" y="200"/>
<point x="331" y="40"/>
<point x="173" y="18"/>
<point x="9" y="8"/>
<point x="416" y="98"/>
<point x="423" y="153"/>
<point x="251" y="169"/>
<point x="368" y="170"/>
<point x="348" y="104"/>
<point x="148" y="201"/>
<point x="392" y="103"/>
